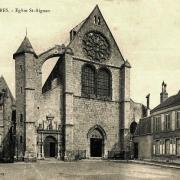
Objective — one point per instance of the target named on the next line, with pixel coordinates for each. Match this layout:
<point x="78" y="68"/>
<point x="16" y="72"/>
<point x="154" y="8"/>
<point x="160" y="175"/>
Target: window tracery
<point x="96" y="84"/>
<point x="96" y="47"/>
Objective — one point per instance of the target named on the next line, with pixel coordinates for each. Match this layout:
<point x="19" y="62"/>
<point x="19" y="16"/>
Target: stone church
<point x="84" y="109"/>
<point x="7" y="122"/>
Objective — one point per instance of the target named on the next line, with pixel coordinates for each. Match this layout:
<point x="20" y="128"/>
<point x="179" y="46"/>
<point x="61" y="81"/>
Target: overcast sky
<point x="147" y="32"/>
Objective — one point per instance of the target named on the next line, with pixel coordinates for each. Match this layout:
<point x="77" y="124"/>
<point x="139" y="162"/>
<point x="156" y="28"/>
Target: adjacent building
<point x="7" y="122"/>
<point x="157" y="136"/>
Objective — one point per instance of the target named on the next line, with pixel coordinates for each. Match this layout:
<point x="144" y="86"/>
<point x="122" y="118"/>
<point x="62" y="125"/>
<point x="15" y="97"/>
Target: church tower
<point x="25" y="73"/>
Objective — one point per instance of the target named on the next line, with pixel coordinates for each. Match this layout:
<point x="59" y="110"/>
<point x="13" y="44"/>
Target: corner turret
<point x="25" y="47"/>
<point x="25" y="69"/>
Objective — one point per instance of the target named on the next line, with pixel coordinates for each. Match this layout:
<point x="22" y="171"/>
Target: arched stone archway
<point x="133" y="127"/>
<point x="50" y="147"/>
<point x="96" y="142"/>
<point x="56" y="53"/>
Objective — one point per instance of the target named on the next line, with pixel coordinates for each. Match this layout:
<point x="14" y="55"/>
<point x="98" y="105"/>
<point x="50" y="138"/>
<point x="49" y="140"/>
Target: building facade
<point x="84" y="108"/>
<point x="7" y="122"/>
<point x="160" y="132"/>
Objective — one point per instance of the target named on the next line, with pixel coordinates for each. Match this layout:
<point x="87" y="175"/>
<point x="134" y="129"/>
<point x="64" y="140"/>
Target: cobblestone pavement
<point x="90" y="170"/>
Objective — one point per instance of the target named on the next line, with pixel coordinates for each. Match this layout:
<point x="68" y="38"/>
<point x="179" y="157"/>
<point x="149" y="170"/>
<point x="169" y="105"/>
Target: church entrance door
<point x="96" y="142"/>
<point x="96" y="147"/>
<point x="50" y="147"/>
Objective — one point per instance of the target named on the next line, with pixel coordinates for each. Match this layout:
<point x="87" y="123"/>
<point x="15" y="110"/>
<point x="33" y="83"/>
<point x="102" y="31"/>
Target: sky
<point x="147" y="33"/>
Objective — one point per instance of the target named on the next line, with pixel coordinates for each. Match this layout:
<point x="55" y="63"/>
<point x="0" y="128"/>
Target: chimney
<point x="147" y="104"/>
<point x="163" y="94"/>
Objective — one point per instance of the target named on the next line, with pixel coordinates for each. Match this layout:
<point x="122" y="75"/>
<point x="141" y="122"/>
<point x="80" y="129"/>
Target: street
<point x="87" y="169"/>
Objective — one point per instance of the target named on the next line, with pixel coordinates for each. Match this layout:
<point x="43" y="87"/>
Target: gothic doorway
<point x="50" y="147"/>
<point x="96" y="147"/>
<point x="96" y="142"/>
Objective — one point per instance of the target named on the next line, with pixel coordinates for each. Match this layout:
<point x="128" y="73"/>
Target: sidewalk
<point x="149" y="162"/>
<point x="155" y="163"/>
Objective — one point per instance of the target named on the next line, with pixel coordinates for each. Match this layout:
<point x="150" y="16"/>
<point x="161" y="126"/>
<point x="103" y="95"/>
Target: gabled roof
<point x="79" y="26"/>
<point x="82" y="24"/>
<point x="25" y="47"/>
<point x="3" y="85"/>
<point x="170" y="102"/>
<point x="76" y="28"/>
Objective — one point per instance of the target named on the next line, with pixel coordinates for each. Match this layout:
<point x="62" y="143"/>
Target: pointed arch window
<point x="104" y="83"/>
<point x="88" y="80"/>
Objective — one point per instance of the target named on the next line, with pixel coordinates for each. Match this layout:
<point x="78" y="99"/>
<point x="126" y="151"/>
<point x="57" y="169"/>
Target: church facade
<point x="84" y="108"/>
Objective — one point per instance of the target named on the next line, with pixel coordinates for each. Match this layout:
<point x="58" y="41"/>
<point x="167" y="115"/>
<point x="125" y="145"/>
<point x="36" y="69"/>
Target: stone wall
<point x="64" y="101"/>
<point x="138" y="111"/>
<point x="144" y="146"/>
<point x="116" y="58"/>
<point x="52" y="104"/>
<point x="91" y="112"/>
<point x="6" y="109"/>
<point x="77" y="75"/>
<point x="88" y="112"/>
<point x="20" y="101"/>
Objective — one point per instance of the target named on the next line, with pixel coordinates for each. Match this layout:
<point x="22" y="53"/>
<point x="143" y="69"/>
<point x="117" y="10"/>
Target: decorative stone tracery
<point x="96" y="47"/>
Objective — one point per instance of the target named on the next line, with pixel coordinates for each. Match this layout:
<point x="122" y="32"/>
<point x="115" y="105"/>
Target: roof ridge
<point x="170" y="101"/>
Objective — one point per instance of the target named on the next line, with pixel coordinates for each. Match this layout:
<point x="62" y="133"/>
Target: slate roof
<point x="170" y="102"/>
<point x="25" y="47"/>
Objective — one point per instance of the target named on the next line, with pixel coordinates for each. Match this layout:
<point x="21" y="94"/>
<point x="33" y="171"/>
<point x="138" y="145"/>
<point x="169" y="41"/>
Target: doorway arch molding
<point x="104" y="141"/>
<point x="99" y="128"/>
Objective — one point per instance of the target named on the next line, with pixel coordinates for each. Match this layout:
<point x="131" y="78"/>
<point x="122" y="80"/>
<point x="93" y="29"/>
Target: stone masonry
<point x="56" y="119"/>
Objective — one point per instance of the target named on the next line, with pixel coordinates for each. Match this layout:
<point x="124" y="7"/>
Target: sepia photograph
<point x="90" y="90"/>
